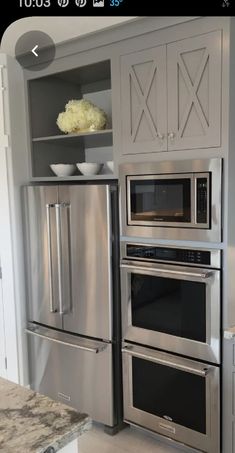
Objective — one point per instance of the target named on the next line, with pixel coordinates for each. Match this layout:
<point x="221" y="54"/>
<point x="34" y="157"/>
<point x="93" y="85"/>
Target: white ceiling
<point x="59" y="28"/>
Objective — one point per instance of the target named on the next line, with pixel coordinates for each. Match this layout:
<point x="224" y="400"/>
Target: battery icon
<point x="98" y="3"/>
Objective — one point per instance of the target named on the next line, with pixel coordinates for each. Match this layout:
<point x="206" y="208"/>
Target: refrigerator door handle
<point x="59" y="232"/>
<point x="51" y="295"/>
<point x="67" y="339"/>
<point x="59" y="255"/>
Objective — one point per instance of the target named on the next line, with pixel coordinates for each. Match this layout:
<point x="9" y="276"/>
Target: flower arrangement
<point x="81" y="115"/>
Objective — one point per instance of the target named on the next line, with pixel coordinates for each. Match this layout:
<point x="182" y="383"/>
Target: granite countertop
<point x="33" y="423"/>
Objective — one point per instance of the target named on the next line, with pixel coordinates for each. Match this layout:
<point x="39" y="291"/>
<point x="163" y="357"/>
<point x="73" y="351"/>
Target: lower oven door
<point x="173" y="396"/>
<point x="173" y="308"/>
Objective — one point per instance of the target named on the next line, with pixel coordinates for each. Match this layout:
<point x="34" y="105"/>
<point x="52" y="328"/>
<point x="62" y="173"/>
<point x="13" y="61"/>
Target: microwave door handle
<point x="51" y="295"/>
<point x="200" y="274"/>
<point x="161" y="361"/>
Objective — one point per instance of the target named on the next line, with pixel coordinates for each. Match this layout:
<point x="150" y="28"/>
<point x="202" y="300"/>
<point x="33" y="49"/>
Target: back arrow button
<point x="34" y="51"/>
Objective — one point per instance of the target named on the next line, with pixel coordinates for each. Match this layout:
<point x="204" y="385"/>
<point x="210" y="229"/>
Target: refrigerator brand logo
<point x="64" y="397"/>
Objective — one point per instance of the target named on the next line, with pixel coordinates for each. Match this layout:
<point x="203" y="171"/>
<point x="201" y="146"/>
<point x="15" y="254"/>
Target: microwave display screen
<point x="160" y="200"/>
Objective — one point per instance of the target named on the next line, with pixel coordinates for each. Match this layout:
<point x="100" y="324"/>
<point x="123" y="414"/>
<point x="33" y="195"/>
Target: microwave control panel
<point x="154" y="253"/>
<point x="202" y="194"/>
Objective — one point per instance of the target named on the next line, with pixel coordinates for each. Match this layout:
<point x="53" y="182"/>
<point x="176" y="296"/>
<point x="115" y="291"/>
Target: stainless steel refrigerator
<point x="70" y="233"/>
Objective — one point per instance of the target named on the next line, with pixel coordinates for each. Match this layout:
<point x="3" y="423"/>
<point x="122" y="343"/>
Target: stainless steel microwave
<point x="172" y="199"/>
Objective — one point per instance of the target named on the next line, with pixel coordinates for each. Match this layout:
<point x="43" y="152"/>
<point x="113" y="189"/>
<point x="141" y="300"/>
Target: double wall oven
<point x="171" y="347"/>
<point x="171" y="300"/>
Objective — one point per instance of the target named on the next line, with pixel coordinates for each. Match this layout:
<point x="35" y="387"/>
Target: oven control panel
<point x="155" y="253"/>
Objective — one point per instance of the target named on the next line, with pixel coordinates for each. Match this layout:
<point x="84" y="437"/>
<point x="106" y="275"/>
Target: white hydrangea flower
<point x="81" y="115"/>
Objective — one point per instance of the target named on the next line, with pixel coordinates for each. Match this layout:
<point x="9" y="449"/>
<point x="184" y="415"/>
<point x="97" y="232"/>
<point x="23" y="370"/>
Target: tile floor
<point x="129" y="440"/>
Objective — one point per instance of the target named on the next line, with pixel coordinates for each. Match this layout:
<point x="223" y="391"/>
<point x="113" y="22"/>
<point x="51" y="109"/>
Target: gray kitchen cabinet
<point x="171" y="96"/>
<point x="194" y="92"/>
<point x="144" y="101"/>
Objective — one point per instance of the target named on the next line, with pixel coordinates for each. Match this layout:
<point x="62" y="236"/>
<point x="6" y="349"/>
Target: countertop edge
<point x="68" y="437"/>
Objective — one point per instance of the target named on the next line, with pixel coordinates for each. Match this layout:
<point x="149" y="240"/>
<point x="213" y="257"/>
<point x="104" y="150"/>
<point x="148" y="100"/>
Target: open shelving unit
<point x="47" y="98"/>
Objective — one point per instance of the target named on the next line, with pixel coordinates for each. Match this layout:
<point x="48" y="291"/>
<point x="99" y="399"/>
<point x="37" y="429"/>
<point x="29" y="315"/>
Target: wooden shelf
<point x="94" y="139"/>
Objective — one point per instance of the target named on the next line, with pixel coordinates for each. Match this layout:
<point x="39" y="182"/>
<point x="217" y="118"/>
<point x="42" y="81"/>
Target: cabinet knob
<point x="161" y="136"/>
<point x="171" y="135"/>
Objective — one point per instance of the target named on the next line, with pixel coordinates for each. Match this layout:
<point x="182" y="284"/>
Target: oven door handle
<point x="169" y="272"/>
<point x="203" y="371"/>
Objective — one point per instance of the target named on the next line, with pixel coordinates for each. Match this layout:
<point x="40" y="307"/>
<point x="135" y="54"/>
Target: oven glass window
<point x="175" y="307"/>
<point x="169" y="393"/>
<point x="160" y="200"/>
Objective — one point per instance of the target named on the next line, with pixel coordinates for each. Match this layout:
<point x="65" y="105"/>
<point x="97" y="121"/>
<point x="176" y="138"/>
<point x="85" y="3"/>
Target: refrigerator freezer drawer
<point x="72" y="370"/>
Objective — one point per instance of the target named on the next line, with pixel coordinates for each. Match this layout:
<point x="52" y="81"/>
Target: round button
<point x="35" y="50"/>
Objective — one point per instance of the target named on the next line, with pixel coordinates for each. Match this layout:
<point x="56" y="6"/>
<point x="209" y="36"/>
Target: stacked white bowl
<point x="63" y="169"/>
<point x="89" y="168"/>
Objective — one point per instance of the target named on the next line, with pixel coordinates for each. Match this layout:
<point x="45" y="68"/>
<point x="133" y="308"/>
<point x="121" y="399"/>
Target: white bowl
<point x="63" y="169"/>
<point x="89" y="168"/>
<point x="110" y="165"/>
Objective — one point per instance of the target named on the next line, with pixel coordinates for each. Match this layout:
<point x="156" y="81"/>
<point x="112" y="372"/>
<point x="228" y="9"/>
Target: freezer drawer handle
<point x="201" y="372"/>
<point x="95" y="350"/>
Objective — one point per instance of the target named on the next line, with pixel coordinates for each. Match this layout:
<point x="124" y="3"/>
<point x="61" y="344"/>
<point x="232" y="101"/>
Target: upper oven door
<point x="158" y="200"/>
<point x="173" y="308"/>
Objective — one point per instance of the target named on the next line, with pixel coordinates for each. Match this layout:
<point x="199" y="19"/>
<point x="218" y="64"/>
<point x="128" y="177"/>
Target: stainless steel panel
<point x="210" y="350"/>
<point x="197" y="233"/>
<point x="69" y="371"/>
<point x="42" y="255"/>
<point x="209" y="442"/>
<point x="89" y="312"/>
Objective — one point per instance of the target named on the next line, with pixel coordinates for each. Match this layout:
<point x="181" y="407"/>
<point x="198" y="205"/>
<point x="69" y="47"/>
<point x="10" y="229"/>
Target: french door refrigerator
<point x="71" y="232"/>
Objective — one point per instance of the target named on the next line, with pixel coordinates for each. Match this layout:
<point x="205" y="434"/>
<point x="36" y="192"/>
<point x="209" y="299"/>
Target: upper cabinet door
<point x="194" y="92"/>
<point x="144" y="101"/>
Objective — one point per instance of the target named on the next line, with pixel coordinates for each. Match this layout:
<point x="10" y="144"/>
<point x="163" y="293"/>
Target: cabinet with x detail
<point x="171" y="96"/>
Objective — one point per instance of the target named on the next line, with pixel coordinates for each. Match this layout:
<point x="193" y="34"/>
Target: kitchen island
<point x="33" y="423"/>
